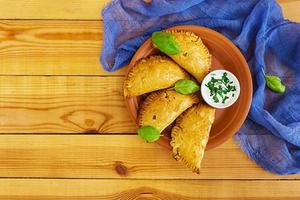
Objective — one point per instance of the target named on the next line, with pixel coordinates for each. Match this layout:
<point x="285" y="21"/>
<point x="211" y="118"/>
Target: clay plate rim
<point x="145" y="49"/>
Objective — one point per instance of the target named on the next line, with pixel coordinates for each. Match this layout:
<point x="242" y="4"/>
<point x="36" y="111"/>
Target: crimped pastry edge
<point x="154" y="95"/>
<point x="131" y="71"/>
<point x="195" y="169"/>
<point x="146" y="103"/>
<point x="199" y="42"/>
<point x="130" y="74"/>
<point x="175" y="133"/>
<point x="188" y="33"/>
<point x="191" y="34"/>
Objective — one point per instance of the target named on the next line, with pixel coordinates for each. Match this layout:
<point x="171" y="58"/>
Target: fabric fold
<point x="271" y="134"/>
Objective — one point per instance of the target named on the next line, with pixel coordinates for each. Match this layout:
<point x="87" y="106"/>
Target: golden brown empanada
<point x="161" y="108"/>
<point x="194" y="56"/>
<point x="190" y="135"/>
<point x="151" y="74"/>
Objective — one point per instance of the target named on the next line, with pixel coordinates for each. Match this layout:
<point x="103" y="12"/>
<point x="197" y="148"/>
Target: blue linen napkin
<point x="271" y="133"/>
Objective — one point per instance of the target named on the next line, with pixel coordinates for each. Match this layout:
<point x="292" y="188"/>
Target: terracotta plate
<point x="225" y="56"/>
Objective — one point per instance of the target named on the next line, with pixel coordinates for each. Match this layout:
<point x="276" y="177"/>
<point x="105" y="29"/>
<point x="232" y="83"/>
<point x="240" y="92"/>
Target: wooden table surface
<point x="65" y="132"/>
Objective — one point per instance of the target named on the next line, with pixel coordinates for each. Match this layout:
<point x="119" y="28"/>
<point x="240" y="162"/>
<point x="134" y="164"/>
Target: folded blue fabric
<point x="271" y="133"/>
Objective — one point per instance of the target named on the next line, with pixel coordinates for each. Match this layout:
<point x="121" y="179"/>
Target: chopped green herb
<point x="220" y="87"/>
<point x="224" y="99"/>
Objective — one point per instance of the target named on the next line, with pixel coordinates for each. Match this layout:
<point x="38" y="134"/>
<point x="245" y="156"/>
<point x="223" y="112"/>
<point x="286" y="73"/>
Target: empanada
<point x="151" y="74"/>
<point x="190" y="135"/>
<point x="194" y="56"/>
<point x="161" y="108"/>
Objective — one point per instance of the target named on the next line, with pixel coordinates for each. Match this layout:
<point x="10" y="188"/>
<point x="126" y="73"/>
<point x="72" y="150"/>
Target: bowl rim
<point x="205" y="96"/>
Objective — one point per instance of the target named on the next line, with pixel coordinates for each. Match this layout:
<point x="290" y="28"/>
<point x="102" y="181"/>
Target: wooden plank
<point x="47" y="9"/>
<point x="47" y="47"/>
<point x="290" y="9"/>
<point x="88" y="9"/>
<point x="55" y="47"/>
<point x="63" y="104"/>
<point x="116" y="156"/>
<point x="52" y="189"/>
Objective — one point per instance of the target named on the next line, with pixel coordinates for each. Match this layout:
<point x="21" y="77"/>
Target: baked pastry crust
<point x="151" y="74"/>
<point x="161" y="108"/>
<point x="194" y="56"/>
<point x="190" y="135"/>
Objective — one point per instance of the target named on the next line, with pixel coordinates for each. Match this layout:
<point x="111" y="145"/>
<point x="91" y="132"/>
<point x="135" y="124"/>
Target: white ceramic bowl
<point x="233" y="95"/>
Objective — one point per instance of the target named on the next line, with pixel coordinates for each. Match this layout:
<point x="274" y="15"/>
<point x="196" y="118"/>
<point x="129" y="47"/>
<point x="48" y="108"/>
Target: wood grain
<point x="47" y="47"/>
<point x="53" y="189"/>
<point x="63" y="104"/>
<point x="58" y="47"/>
<point x="59" y="104"/>
<point x="290" y="9"/>
<point x="88" y="9"/>
<point x="47" y="9"/>
<point x="65" y="39"/>
<point x="115" y="156"/>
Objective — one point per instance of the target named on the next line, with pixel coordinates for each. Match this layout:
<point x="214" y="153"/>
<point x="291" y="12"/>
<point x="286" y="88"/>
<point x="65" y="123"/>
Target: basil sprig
<point x="274" y="83"/>
<point x="186" y="86"/>
<point x="149" y="133"/>
<point x="165" y="42"/>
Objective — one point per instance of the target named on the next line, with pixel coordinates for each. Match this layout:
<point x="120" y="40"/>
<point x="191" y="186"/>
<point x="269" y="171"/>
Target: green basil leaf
<point x="275" y="84"/>
<point x="186" y="86"/>
<point x="165" y="42"/>
<point x="149" y="133"/>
